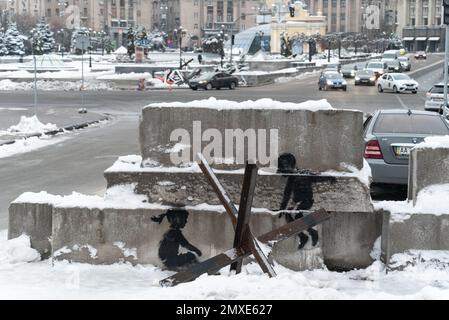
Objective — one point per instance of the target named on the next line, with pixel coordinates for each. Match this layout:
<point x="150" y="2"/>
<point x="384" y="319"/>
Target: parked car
<point x="397" y="82"/>
<point x="378" y="67"/>
<point x="349" y="71"/>
<point x="405" y="63"/>
<point x="216" y="80"/>
<point x="420" y="55"/>
<point x="435" y="98"/>
<point x="389" y="136"/>
<point x="365" y="77"/>
<point x="331" y="80"/>
<point x="394" y="66"/>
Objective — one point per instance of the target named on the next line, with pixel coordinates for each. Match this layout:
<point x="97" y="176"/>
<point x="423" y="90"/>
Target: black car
<point x="394" y="66"/>
<point x="216" y="80"/>
<point x="367" y="77"/>
<point x="349" y="71"/>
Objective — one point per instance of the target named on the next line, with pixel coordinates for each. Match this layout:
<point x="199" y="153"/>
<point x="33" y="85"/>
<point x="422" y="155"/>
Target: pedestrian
<point x="200" y="59"/>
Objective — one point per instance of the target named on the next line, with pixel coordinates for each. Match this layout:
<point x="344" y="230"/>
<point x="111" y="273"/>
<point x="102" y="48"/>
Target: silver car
<point x="390" y="134"/>
<point x="435" y="98"/>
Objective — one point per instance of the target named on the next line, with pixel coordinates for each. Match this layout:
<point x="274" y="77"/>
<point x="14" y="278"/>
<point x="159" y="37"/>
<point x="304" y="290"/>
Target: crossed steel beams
<point x="245" y="243"/>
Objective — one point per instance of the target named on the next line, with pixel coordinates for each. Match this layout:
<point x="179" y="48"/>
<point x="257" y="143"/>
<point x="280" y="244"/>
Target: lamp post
<point x="33" y="34"/>
<point x="90" y="47"/>
<point x="62" y="33"/>
<point x="180" y="33"/>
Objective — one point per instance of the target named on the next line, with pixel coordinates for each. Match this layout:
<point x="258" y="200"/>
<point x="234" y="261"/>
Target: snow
<point x="429" y="201"/>
<point x="261" y="104"/>
<point x="27" y="145"/>
<point x="122" y="50"/>
<point x="423" y="279"/>
<point x="364" y="174"/>
<point x="31" y="125"/>
<point x="54" y="85"/>
<point x="435" y="142"/>
<point x="16" y="251"/>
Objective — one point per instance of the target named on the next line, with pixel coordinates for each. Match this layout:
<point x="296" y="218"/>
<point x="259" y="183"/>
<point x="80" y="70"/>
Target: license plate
<point x="336" y="85"/>
<point x="364" y="80"/>
<point x="402" y="151"/>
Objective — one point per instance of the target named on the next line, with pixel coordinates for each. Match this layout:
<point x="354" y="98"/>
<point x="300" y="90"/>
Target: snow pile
<point x="27" y="145"/>
<point x="118" y="197"/>
<point x="298" y="77"/>
<point x="261" y="104"/>
<point x="54" y="85"/>
<point x="16" y="251"/>
<point x="436" y="142"/>
<point x="422" y="259"/>
<point x="364" y="174"/>
<point x="429" y="201"/>
<point x="31" y="125"/>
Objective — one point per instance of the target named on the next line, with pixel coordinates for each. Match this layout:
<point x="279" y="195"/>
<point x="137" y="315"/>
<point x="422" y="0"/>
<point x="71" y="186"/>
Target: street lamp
<point x="90" y="47"/>
<point x="180" y="33"/>
<point x="33" y="42"/>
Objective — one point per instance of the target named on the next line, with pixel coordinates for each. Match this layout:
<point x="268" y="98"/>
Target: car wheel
<point x="415" y="92"/>
<point x="218" y="88"/>
<point x="209" y="86"/>
<point x="232" y="86"/>
<point x="379" y="88"/>
<point x="345" y="88"/>
<point x="194" y="88"/>
<point x="395" y="89"/>
<point x="319" y="88"/>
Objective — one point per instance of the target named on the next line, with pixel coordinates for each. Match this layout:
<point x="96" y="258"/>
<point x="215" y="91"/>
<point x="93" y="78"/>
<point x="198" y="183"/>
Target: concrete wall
<point x="109" y="236"/>
<point x="427" y="167"/>
<point x="34" y="220"/>
<point x="420" y="232"/>
<point x="189" y="188"/>
<point x="320" y="140"/>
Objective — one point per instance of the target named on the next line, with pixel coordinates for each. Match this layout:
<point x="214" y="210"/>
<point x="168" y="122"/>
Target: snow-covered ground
<point x="22" y="278"/>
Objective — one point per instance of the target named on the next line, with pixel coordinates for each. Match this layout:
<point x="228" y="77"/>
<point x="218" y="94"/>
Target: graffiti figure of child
<point x="173" y="239"/>
<point x="298" y="190"/>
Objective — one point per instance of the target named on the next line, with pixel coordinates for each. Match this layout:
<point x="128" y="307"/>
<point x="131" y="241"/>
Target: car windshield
<point x="389" y="56"/>
<point x="437" y="89"/>
<point x="393" y="63"/>
<point x="365" y="73"/>
<point x="348" y="68"/>
<point x="400" y="77"/>
<point x="375" y="65"/>
<point x="333" y="76"/>
<point x="413" y="124"/>
<point x="403" y="59"/>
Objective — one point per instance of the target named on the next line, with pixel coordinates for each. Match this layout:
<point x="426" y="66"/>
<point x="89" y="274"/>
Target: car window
<point x="437" y="89"/>
<point x="384" y="77"/>
<point x="401" y="77"/>
<point x="413" y="124"/>
<point x="390" y="78"/>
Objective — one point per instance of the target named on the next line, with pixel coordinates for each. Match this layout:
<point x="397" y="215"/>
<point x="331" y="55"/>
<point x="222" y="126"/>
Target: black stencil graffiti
<point x="299" y="190"/>
<point x="174" y="239"/>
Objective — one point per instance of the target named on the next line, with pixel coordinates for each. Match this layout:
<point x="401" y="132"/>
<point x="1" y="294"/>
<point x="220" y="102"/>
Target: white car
<point x="377" y="67"/>
<point x="397" y="82"/>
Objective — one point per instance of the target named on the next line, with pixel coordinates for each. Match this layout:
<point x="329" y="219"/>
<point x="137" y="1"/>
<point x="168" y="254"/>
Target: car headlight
<point x="357" y="78"/>
<point x="343" y="83"/>
<point x="329" y="82"/>
<point x="202" y="82"/>
<point x="373" y="78"/>
<point x="396" y="68"/>
<point x="352" y="73"/>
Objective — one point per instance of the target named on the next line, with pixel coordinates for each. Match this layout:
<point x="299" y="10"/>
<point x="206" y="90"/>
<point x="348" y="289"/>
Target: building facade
<point x="420" y="24"/>
<point x="202" y="18"/>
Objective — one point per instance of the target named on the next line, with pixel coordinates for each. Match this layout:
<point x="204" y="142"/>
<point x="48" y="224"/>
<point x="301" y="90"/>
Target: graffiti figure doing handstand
<point x="174" y="239"/>
<point x="299" y="190"/>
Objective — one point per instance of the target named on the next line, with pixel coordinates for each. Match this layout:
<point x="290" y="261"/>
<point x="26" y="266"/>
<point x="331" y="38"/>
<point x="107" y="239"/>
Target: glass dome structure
<point x="252" y="40"/>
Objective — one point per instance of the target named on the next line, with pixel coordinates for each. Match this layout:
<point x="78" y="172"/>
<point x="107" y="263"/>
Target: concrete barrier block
<point x="323" y="139"/>
<point x="428" y="166"/>
<point x="191" y="188"/>
<point x="415" y="232"/>
<point x="34" y="220"/>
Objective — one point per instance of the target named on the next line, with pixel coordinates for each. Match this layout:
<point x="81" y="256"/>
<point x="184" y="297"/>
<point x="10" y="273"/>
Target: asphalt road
<point x="77" y="163"/>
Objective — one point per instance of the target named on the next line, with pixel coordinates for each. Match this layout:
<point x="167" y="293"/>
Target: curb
<point x="55" y="132"/>
<point x="431" y="66"/>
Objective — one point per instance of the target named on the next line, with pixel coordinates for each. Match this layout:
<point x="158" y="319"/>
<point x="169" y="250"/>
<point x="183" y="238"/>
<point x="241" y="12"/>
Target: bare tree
<point x="25" y="22"/>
